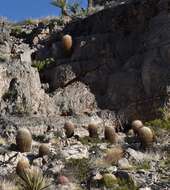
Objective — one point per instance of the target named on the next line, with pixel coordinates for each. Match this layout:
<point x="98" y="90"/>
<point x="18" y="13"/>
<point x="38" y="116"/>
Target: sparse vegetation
<point x="42" y="64"/>
<point x="109" y="180"/>
<point x="126" y="185"/>
<point x="29" y="21"/>
<point x="16" y="31"/>
<point x="113" y="155"/>
<point x="159" y="124"/>
<point x="79" y="168"/>
<point x="11" y="94"/>
<point x="145" y="165"/>
<point x="89" y="140"/>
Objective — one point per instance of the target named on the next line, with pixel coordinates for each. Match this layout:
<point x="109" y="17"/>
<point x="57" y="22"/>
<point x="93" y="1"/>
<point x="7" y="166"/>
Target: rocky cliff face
<point x="121" y="55"/>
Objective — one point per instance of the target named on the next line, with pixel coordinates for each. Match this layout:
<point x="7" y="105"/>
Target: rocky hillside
<point x="77" y="84"/>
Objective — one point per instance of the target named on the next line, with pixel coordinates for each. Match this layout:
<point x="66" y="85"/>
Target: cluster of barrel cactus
<point x="145" y="134"/>
<point x="109" y="133"/>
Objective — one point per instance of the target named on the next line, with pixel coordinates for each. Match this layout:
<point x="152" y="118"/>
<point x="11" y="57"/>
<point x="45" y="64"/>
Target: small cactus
<point x="146" y="136"/>
<point x="43" y="150"/>
<point x="67" y="42"/>
<point x="110" y="134"/>
<point x="22" y="166"/>
<point x="136" y="125"/>
<point x="92" y="128"/>
<point x="24" y="140"/>
<point x="69" y="129"/>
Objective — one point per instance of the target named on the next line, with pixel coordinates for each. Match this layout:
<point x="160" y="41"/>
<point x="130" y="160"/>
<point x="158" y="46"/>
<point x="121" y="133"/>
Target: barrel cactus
<point x="67" y="42"/>
<point x="69" y="129"/>
<point x="92" y="128"/>
<point x="24" y="140"/>
<point x="136" y="125"/>
<point x="146" y="136"/>
<point x="110" y="134"/>
<point x="43" y="150"/>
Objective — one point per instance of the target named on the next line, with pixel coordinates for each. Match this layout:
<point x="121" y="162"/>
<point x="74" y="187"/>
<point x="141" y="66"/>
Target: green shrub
<point x="145" y="165"/>
<point x="16" y="31"/>
<point x="126" y="185"/>
<point x="42" y="64"/>
<point x="159" y="123"/>
<point x="10" y="95"/>
<point x="90" y="140"/>
<point x="29" y="22"/>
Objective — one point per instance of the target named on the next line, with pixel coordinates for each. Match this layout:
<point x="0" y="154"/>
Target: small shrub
<point x="159" y="123"/>
<point x="10" y="95"/>
<point x="42" y="64"/>
<point x="69" y="129"/>
<point x="89" y="140"/>
<point x="143" y="165"/>
<point x="109" y="180"/>
<point x="113" y="155"/>
<point x="43" y="150"/>
<point x="92" y="128"/>
<point x="126" y="184"/>
<point x="24" y="140"/>
<point x="29" y="22"/>
<point x="16" y="31"/>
